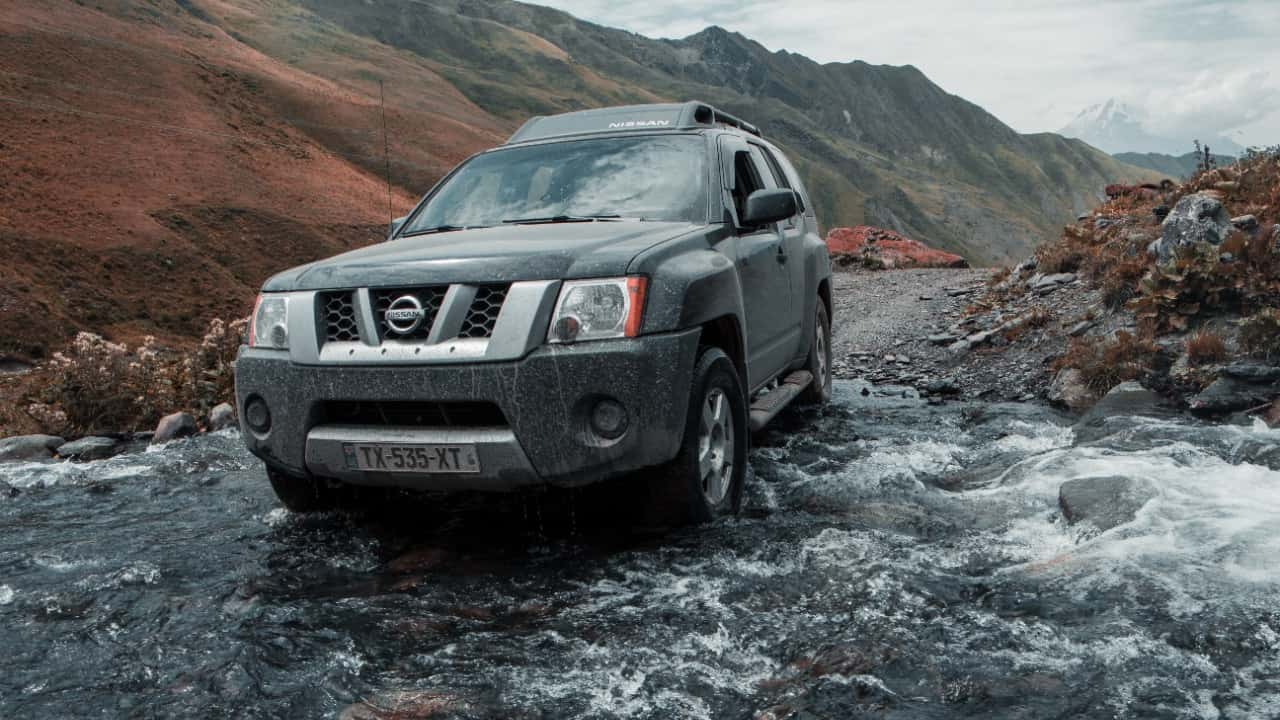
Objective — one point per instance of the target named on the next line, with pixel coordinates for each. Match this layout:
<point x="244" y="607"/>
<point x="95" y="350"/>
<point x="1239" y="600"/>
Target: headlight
<point x="269" y="327"/>
<point x="598" y="309"/>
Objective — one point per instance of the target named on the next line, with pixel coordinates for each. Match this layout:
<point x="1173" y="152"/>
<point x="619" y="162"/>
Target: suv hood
<point x="508" y="253"/>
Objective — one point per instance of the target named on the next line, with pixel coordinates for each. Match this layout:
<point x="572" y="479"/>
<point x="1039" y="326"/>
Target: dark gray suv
<point x="616" y="290"/>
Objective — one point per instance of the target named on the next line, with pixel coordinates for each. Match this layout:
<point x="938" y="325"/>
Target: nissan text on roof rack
<point x="628" y="292"/>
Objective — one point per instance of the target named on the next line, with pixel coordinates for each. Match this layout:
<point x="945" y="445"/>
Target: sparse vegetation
<point x="1104" y="365"/>
<point x="1205" y="347"/>
<point x="1260" y="335"/>
<point x="99" y="386"/>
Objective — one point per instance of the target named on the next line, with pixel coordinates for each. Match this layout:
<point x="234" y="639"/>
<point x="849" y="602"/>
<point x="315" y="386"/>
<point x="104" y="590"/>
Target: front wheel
<point x="819" y="391"/>
<point x="705" y="479"/>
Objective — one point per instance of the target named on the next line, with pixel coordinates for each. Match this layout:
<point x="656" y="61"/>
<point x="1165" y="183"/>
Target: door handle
<point x="782" y="255"/>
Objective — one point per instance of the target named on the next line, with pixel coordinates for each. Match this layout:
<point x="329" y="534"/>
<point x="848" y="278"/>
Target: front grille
<point x="339" y="317"/>
<point x="414" y="413"/>
<point x="483" y="313"/>
<point x="430" y="297"/>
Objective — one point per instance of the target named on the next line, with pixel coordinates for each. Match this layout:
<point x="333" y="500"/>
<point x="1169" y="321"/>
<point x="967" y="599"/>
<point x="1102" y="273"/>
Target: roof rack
<point x="670" y="116"/>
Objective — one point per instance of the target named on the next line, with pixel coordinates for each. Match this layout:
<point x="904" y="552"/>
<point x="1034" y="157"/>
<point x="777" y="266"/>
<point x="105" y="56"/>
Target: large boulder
<point x="1103" y="502"/>
<point x="1197" y="218"/>
<point x="1241" y="386"/>
<point x="90" y="448"/>
<point x="172" y="427"/>
<point x="1126" y="400"/>
<point x="884" y="249"/>
<point x="29" y="447"/>
<point x="1070" y="391"/>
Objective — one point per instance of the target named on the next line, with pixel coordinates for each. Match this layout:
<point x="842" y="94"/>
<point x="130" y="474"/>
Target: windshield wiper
<point x="560" y="219"/>
<point x="442" y="228"/>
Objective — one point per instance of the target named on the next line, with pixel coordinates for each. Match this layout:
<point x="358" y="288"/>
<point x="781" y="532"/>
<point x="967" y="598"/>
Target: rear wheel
<point x="305" y="495"/>
<point x="819" y="391"/>
<point x="705" y="479"/>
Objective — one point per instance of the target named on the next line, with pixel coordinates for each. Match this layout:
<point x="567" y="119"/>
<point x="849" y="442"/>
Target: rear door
<point x="762" y="260"/>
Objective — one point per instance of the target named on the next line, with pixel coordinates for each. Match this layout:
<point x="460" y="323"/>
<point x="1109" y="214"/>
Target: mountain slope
<point x="880" y="145"/>
<point x="162" y="158"/>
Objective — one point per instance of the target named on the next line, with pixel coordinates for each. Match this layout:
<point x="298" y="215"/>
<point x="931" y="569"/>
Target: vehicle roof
<point x="691" y="115"/>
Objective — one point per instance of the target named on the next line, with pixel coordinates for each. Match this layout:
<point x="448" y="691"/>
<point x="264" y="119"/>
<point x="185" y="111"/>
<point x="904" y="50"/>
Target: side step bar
<point x="765" y="407"/>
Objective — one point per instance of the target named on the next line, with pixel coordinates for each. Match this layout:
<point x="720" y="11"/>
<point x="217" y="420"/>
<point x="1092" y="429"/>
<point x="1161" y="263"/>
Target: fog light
<point x="256" y="414"/>
<point x="609" y="419"/>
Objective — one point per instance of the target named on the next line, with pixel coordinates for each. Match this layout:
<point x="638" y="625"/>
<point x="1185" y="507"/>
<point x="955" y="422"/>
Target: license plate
<point x="388" y="457"/>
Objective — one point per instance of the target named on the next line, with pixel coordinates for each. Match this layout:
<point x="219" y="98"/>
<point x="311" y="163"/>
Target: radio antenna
<point x="386" y="149"/>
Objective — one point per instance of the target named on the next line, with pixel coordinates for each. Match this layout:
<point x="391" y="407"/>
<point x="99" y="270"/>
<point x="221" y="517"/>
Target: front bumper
<point x="545" y="397"/>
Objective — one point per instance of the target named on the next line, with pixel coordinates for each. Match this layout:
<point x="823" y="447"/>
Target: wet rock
<point x="1229" y="394"/>
<point x="8" y="491"/>
<point x="14" y="366"/>
<point x="1197" y="218"/>
<point x="90" y="448"/>
<point x="171" y="427"/>
<point x="1245" y="222"/>
<point x="1128" y="399"/>
<point x="1252" y="373"/>
<point x="221" y="417"/>
<point x="1069" y="390"/>
<point x="29" y="447"/>
<point x="1103" y="502"/>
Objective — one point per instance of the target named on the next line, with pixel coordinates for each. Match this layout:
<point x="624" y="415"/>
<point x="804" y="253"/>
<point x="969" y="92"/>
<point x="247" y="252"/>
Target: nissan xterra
<point x="615" y="290"/>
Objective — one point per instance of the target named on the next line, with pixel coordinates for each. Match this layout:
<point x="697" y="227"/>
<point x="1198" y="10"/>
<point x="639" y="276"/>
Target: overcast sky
<point x="1195" y="66"/>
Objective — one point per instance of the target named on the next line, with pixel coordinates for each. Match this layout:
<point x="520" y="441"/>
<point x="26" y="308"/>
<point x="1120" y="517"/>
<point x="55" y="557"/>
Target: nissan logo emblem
<point x="404" y="314"/>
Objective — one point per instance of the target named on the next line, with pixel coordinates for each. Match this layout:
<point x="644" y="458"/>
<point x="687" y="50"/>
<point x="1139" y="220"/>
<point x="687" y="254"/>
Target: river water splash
<point x="894" y="559"/>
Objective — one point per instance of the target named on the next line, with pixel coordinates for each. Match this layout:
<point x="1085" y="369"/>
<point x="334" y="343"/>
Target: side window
<point x="746" y="180"/>
<point x="793" y="177"/>
<point x="779" y="174"/>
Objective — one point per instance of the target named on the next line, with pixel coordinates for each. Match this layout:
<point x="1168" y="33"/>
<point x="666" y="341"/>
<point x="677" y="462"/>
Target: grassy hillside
<point x="163" y="157"/>
<point x="1173" y="166"/>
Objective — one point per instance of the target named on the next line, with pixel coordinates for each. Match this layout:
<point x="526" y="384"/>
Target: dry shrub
<point x="1118" y="280"/>
<point x="1038" y="317"/>
<point x="100" y="386"/>
<point x="1206" y="347"/>
<point x="1064" y="256"/>
<point x="1104" y="365"/>
<point x="1260" y="335"/>
<point x="1000" y="274"/>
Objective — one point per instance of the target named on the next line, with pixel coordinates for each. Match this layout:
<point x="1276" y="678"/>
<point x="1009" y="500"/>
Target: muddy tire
<point x="307" y="495"/>
<point x="705" y="479"/>
<point x="819" y="365"/>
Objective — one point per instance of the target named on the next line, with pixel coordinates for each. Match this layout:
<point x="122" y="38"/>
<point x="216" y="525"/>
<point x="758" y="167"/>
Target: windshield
<point x="648" y="178"/>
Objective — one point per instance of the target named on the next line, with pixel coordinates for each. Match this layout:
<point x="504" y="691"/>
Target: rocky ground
<point x="927" y="329"/>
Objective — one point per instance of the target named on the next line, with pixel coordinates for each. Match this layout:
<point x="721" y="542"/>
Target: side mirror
<point x="769" y="206"/>
<point x="395" y="225"/>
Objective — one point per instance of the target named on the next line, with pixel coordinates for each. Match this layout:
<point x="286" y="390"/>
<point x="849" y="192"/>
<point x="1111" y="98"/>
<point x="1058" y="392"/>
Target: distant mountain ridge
<point x="1179" y="166"/>
<point x="1118" y="127"/>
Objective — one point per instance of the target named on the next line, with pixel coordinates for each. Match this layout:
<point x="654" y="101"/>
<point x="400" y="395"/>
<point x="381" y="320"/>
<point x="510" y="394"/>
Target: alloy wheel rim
<point x="715" y="446"/>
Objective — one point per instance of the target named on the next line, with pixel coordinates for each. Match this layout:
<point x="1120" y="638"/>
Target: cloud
<point x="1212" y="101"/>
<point x="1190" y="63"/>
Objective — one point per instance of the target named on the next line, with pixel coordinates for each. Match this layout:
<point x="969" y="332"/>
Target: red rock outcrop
<point x="884" y="249"/>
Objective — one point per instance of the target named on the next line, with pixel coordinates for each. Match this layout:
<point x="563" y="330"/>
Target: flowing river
<point x="894" y="559"/>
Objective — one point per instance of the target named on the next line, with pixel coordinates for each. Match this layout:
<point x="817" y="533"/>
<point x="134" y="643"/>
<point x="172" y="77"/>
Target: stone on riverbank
<point x="221" y="417"/>
<point x="1126" y="400"/>
<point x="90" y="448"/>
<point x="1070" y="391"/>
<point x="29" y="447"/>
<point x="172" y="427"/>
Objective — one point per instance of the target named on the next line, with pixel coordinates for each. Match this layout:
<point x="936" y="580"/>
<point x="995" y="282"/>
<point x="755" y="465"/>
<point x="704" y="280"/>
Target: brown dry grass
<point x="1260" y="335"/>
<point x="1108" y="363"/>
<point x="1205" y="347"/>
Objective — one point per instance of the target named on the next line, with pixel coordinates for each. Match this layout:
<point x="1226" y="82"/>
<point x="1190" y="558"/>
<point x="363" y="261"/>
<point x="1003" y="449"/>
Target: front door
<point x="763" y="267"/>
